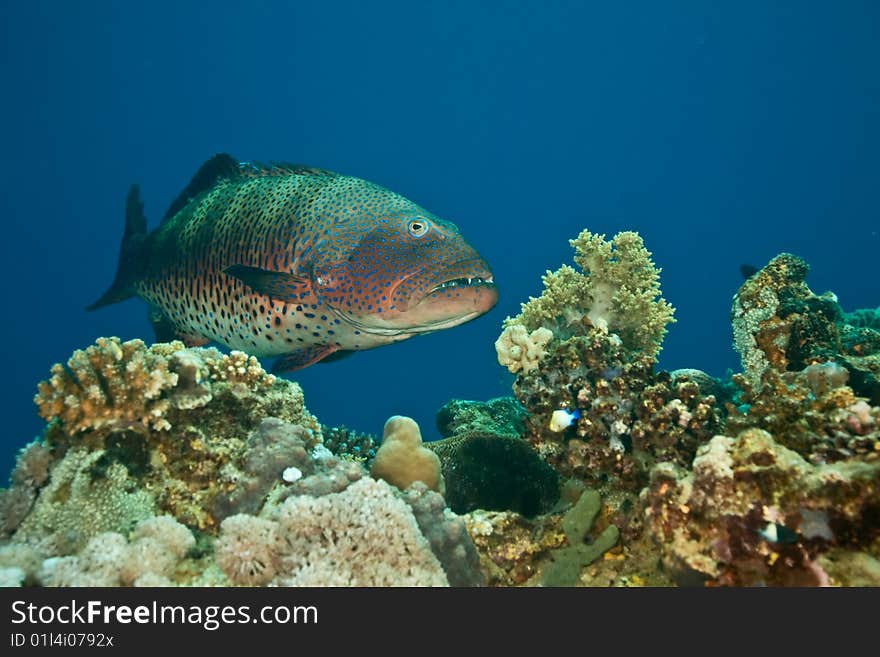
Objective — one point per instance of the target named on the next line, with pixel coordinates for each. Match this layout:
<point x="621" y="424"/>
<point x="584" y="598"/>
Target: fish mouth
<point x="470" y="281"/>
<point x="449" y="303"/>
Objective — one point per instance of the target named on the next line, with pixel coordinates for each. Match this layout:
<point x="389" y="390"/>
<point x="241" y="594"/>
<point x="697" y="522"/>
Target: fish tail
<point x="131" y="254"/>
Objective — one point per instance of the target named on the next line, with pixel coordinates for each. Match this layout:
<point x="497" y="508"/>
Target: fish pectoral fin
<point x="275" y="284"/>
<point x="166" y="331"/>
<point x="302" y="358"/>
<point x="192" y="339"/>
<point x="337" y="355"/>
<point x="163" y="328"/>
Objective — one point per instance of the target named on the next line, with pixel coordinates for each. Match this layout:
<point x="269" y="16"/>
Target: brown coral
<point x="110" y="382"/>
<point x="402" y="459"/>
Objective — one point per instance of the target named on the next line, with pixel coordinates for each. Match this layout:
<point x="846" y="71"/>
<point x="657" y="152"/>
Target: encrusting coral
<point x="78" y="504"/>
<point x="780" y="325"/>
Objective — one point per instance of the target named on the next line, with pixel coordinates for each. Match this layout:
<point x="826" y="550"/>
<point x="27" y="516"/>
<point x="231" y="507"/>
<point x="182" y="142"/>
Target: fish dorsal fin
<point x="220" y="166"/>
<point x="259" y="169"/>
<point x="223" y="166"/>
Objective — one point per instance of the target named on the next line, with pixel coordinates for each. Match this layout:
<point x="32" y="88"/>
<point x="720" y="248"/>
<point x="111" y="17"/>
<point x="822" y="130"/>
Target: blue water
<point x="723" y="134"/>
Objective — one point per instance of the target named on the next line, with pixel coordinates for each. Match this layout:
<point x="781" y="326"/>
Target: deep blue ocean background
<point x="724" y="133"/>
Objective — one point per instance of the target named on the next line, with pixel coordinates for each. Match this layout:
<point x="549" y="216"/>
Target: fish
<point x="747" y="271"/>
<point x="562" y="419"/>
<point x="296" y="262"/>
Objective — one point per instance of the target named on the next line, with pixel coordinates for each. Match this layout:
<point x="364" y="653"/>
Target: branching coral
<point x="617" y="291"/>
<point x="116" y="384"/>
<point x="178" y="420"/>
<point x="110" y="381"/>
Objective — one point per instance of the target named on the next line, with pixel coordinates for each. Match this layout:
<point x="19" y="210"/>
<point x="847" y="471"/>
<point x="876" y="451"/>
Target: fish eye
<point x="418" y="227"/>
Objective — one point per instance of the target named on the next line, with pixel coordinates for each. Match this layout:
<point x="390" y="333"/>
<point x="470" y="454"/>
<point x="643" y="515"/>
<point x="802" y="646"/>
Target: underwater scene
<point x="540" y="294"/>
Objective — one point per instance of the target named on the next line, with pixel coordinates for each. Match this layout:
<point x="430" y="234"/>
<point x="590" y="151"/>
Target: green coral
<point x="80" y="502"/>
<point x="617" y="290"/>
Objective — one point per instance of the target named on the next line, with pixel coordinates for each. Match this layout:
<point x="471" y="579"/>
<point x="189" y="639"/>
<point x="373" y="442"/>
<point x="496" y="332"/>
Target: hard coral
<point x="185" y="442"/>
<point x="108" y="559"/>
<point x="518" y="350"/>
<point x="363" y="536"/>
<point x="110" y="381"/>
<point x="402" y="459"/>
<point x="779" y="324"/>
<point x="811" y="411"/>
<point x="78" y="504"/>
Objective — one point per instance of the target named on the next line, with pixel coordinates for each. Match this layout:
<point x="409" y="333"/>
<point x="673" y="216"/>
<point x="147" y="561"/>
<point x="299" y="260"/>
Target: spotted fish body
<point x="297" y="262"/>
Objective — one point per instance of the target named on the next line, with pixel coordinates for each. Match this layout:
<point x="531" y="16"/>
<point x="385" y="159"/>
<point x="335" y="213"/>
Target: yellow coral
<point x="402" y="459"/>
<point x="519" y="350"/>
<point x="238" y="367"/>
<point x="618" y="291"/>
<point x="107" y="382"/>
<point x="113" y="383"/>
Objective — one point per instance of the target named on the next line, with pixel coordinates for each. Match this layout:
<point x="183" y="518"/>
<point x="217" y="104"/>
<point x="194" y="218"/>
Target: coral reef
<point x="158" y="544"/>
<point x="780" y="325"/>
<point x="495" y="472"/>
<point x="753" y="512"/>
<point x="812" y="412"/>
<point x="168" y="465"/>
<point x="209" y="473"/>
<point x="270" y="449"/>
<point x="186" y="438"/>
<point x="31" y="471"/>
<point x="402" y="459"/>
<point x="548" y="550"/>
<point x="447" y="535"/>
<point x="78" y="504"/>
<point x="627" y="418"/>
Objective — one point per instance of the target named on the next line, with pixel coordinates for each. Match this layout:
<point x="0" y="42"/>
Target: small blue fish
<point x="563" y="419"/>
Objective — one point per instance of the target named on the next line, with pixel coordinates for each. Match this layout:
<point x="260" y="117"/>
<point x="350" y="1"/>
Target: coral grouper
<point x="292" y="261"/>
